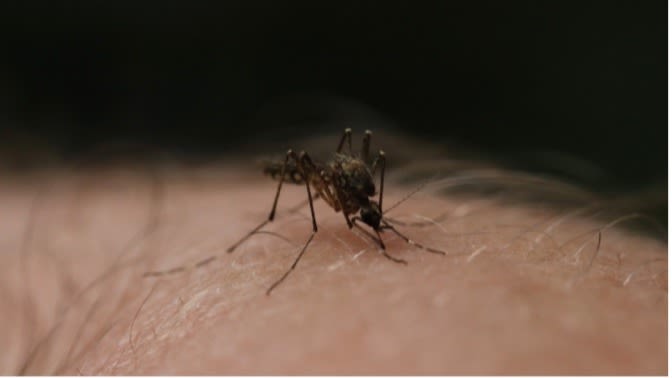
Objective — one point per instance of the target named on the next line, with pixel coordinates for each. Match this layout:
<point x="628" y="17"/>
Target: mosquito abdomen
<point x="273" y="168"/>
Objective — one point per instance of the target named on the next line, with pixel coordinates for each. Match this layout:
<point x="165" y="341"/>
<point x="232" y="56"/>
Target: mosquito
<point x="345" y="183"/>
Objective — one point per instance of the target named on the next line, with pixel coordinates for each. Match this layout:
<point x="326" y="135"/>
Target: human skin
<point x="523" y="289"/>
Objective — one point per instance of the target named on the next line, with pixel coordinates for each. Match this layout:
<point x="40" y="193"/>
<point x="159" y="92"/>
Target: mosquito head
<point x="371" y="215"/>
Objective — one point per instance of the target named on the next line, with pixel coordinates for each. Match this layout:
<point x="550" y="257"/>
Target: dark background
<point x="580" y="80"/>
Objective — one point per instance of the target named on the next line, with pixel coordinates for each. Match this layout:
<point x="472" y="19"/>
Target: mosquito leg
<point x="347" y="220"/>
<point x="296" y="261"/>
<point x="340" y="199"/>
<point x="347" y="134"/>
<point x="302" y="204"/>
<point x="377" y="239"/>
<point x="247" y="236"/>
<point x="290" y="155"/>
<point x="306" y="165"/>
<point x="411" y="242"/>
<point x="380" y="161"/>
<point x="210" y="259"/>
<point x="366" y="145"/>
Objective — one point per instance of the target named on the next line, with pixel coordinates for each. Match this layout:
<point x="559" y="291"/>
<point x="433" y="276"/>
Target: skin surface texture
<point x="524" y="288"/>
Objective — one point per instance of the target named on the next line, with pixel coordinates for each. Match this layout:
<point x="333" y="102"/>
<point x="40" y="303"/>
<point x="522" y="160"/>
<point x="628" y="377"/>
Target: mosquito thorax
<point x="354" y="176"/>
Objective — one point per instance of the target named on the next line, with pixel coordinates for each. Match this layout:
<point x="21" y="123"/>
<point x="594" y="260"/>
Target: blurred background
<point x="575" y="88"/>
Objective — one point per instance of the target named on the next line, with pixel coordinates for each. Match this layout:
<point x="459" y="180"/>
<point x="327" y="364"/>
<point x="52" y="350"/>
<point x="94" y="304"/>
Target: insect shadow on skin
<point x="345" y="183"/>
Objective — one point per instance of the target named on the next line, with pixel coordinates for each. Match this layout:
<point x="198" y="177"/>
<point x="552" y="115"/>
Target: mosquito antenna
<point x="410" y="241"/>
<point x="411" y="194"/>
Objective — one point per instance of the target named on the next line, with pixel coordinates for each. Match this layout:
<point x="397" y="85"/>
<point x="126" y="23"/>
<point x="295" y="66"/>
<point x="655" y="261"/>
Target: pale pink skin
<point x="514" y="297"/>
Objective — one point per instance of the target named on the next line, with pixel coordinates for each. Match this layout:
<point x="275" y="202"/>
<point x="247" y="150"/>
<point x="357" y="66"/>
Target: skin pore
<point x="526" y="288"/>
